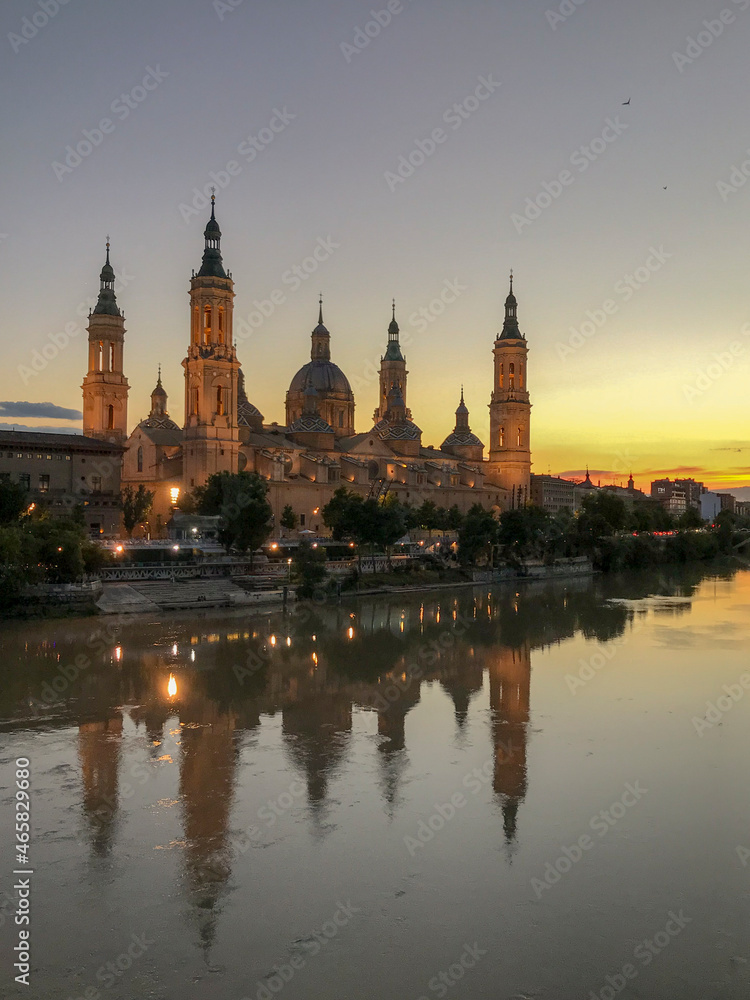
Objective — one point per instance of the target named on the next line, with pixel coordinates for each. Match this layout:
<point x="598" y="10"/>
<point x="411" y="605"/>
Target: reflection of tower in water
<point x="315" y="728"/>
<point x="207" y="771"/>
<point x="510" y="684"/>
<point x="99" y="748"/>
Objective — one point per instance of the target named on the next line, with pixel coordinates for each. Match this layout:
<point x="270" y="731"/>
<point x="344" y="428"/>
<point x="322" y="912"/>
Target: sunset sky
<point x="640" y="227"/>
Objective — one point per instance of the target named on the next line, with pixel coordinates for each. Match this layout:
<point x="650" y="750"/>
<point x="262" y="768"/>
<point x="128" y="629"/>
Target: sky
<point x="425" y="148"/>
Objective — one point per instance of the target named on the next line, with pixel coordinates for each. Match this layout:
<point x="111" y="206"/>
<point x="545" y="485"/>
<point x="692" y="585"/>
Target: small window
<point x="67" y="458"/>
<point x="49" y="458"/>
<point x="100" y="356"/>
<point x="25" y="480"/>
<point x="111" y="357"/>
<point x="502" y="437"/>
<point x="221" y="324"/>
<point x="110" y="417"/>
<point x="220" y="401"/>
<point x="140" y="459"/>
<point x="96" y="484"/>
<point x="502" y="375"/>
<point x="520" y="437"/>
<point x="302" y="520"/>
<point x="512" y="375"/>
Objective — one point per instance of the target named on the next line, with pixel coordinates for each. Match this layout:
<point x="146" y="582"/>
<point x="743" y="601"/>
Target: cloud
<point x="42" y="428"/>
<point x="49" y="410"/>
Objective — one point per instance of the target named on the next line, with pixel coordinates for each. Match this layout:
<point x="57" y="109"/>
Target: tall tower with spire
<point x="105" y="388"/>
<point x="392" y="370"/>
<point x="211" y="442"/>
<point x="510" y="410"/>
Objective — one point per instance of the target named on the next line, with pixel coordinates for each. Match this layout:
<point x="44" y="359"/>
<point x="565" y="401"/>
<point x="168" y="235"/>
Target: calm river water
<point x="515" y="793"/>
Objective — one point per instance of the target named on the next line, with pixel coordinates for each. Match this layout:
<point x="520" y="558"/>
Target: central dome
<point x="333" y="393"/>
<point x="324" y="375"/>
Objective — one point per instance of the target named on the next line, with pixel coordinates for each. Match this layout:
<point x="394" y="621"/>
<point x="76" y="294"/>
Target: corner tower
<point x="392" y="370"/>
<point x="211" y="441"/>
<point x="510" y="410"/>
<point x="105" y="388"/>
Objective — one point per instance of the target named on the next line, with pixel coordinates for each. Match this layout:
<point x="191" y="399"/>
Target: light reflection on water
<point x="349" y="796"/>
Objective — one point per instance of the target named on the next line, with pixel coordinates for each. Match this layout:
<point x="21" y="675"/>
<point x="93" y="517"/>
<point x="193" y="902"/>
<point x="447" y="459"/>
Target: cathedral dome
<point x="325" y="376"/>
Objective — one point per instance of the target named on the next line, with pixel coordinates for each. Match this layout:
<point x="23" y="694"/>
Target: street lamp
<point x="289" y="570"/>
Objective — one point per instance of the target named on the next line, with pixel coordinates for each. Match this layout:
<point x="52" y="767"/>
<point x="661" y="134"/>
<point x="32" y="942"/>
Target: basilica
<point x="318" y="447"/>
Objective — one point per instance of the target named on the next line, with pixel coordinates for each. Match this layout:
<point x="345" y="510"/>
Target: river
<point x="530" y="791"/>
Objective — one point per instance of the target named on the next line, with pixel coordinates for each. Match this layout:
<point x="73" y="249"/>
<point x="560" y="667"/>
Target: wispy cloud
<point x="42" y="428"/>
<point x="52" y="411"/>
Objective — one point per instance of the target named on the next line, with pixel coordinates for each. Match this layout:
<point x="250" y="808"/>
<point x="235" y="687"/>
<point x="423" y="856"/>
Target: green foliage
<point x="239" y="499"/>
<point x="690" y="519"/>
<point x="309" y="570"/>
<point x="523" y="533"/>
<point x="288" y="518"/>
<point x="13" y="502"/>
<point x="477" y="537"/>
<point x="135" y="504"/>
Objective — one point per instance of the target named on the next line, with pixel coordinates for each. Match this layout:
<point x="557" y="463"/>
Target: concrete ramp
<point x="122" y="599"/>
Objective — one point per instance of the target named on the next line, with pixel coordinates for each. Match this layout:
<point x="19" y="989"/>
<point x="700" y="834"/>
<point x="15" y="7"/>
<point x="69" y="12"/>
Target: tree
<point x="240" y="501"/>
<point x="455" y="518"/>
<point x="309" y="569"/>
<point x="523" y="532"/>
<point x="389" y="524"/>
<point x="135" y="504"/>
<point x="429" y="518"/>
<point x="477" y="536"/>
<point x="690" y="519"/>
<point x="13" y="502"/>
<point x="288" y="518"/>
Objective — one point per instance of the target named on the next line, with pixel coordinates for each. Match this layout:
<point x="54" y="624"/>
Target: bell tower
<point x="105" y="388"/>
<point x="392" y="370"/>
<point x="211" y="442"/>
<point x="510" y="410"/>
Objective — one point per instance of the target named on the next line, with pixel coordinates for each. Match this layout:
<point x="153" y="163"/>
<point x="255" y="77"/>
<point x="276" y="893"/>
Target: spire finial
<point x="213" y="201"/>
<point x="108" y="248"/>
<point x="394" y="308"/>
<point x="158" y="377"/>
<point x="462" y="395"/>
<point x="511" y="281"/>
<point x="320" y="313"/>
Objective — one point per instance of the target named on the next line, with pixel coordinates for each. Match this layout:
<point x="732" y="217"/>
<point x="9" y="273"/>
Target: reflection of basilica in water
<point x="317" y="670"/>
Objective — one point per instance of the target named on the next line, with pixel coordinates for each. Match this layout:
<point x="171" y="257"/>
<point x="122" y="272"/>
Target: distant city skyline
<point x="427" y="146"/>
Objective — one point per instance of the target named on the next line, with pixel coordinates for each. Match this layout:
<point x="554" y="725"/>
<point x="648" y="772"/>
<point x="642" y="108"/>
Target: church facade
<point x="317" y="449"/>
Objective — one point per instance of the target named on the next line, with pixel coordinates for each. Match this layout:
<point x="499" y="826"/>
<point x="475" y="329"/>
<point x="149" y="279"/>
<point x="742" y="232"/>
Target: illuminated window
<point x="110" y="417"/>
<point x="111" y="357"/>
<point x="512" y="375"/>
<point x="44" y="484"/>
<point x="194" y="401"/>
<point x="502" y="375"/>
<point x="140" y="459"/>
<point x="100" y="357"/>
<point x="502" y="437"/>
<point x="220" y="400"/>
<point x="206" y="324"/>
<point x="520" y="437"/>
<point x="221" y="325"/>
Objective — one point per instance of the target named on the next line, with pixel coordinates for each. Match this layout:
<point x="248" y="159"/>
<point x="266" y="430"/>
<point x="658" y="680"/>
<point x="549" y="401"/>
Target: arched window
<point x="520" y="376"/>
<point x="502" y="437"/>
<point x="140" y="459"/>
<point x="220" y="401"/>
<point x="520" y="437"/>
<point x="207" y="324"/>
<point x="341" y="418"/>
<point x="110" y="417"/>
<point x="221" y="324"/>
<point x="502" y="375"/>
<point x="100" y="357"/>
<point x="196" y="321"/>
<point x="194" y="401"/>
<point x="111" y="356"/>
<point x="512" y="375"/>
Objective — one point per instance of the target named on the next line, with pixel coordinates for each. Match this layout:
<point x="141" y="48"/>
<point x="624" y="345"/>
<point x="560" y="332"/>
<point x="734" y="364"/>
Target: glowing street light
<point x="172" y="686"/>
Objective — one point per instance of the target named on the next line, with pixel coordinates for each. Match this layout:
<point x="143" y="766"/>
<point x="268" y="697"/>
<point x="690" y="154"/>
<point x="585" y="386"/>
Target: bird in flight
<point x="625" y="103"/>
